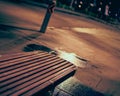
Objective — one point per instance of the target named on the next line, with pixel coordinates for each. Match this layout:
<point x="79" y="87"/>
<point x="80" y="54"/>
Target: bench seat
<point x="27" y="73"/>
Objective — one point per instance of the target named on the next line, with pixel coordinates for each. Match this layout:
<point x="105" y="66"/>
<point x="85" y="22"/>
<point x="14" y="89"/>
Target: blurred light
<point x="110" y="3"/>
<point x="99" y="9"/>
<point x="100" y="3"/>
<point x="81" y="2"/>
<point x="75" y="2"/>
<point x="79" y="6"/>
<point x="91" y="4"/>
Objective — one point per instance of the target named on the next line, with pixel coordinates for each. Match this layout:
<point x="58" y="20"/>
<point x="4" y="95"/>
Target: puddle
<point x="86" y="30"/>
<point x="71" y="57"/>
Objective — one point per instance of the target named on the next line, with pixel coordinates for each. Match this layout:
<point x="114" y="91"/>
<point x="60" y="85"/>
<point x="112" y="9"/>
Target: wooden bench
<point x="25" y="74"/>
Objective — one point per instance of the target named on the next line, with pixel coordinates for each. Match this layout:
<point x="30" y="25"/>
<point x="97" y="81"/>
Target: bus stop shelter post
<point x="47" y="17"/>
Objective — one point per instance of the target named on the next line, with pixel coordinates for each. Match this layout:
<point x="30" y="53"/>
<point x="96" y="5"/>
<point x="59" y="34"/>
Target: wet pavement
<point x="92" y="46"/>
<point x="73" y="87"/>
<point x="71" y="57"/>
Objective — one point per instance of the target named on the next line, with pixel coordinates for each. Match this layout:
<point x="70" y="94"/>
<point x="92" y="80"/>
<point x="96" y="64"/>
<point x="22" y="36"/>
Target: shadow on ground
<point x="9" y="27"/>
<point x="35" y="47"/>
<point x="72" y="87"/>
<point x="14" y="36"/>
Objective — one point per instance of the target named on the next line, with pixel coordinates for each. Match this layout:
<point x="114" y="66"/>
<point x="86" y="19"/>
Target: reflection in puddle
<point x="86" y="30"/>
<point x="73" y="58"/>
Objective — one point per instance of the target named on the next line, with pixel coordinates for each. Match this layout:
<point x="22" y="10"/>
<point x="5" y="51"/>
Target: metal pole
<point x="45" y="21"/>
<point x="48" y="14"/>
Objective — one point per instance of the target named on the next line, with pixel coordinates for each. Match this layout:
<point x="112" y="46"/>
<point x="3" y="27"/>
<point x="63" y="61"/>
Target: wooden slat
<point x="39" y="79"/>
<point x="42" y="80"/>
<point x="19" y="60"/>
<point x="26" y="65"/>
<point x="23" y="71"/>
<point x="22" y="64"/>
<point x="26" y="74"/>
<point x="58" y="76"/>
<point x="26" y="77"/>
<point x="15" y="56"/>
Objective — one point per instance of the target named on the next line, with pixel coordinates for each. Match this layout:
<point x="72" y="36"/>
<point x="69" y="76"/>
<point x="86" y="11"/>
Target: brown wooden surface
<point x="25" y="74"/>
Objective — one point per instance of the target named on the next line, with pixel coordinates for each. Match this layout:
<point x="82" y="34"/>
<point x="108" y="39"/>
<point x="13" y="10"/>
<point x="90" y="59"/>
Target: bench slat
<point x="28" y="74"/>
<point x="24" y="78"/>
<point x="19" y="60"/>
<point x="32" y="61"/>
<point x="36" y="80"/>
<point x="52" y="81"/>
<point x="16" y="55"/>
<point x="37" y="84"/>
<point x="27" y="65"/>
<point x="24" y="71"/>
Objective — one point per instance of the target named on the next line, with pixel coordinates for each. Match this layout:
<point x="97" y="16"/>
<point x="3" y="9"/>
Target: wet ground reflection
<point x="71" y="86"/>
<point x="71" y="57"/>
<point x="86" y="30"/>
